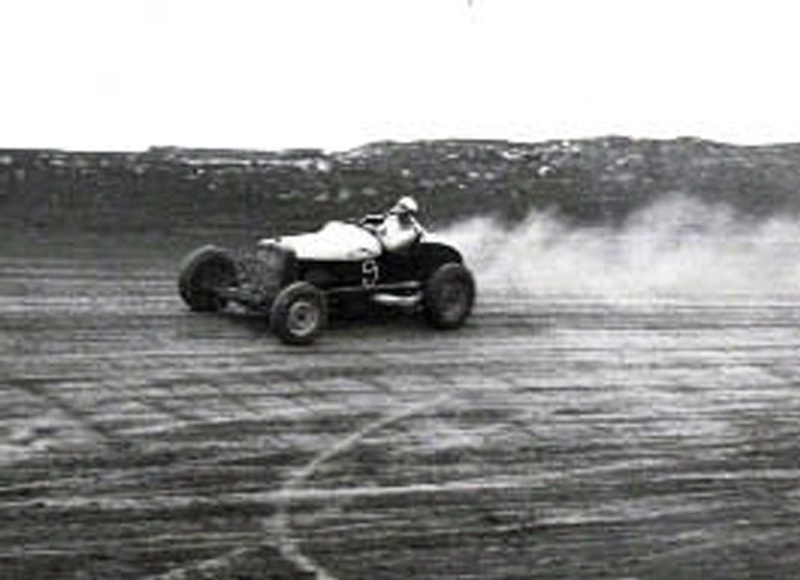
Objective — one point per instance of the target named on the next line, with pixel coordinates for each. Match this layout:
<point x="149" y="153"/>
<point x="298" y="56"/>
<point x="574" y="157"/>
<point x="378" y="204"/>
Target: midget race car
<point x="297" y="281"/>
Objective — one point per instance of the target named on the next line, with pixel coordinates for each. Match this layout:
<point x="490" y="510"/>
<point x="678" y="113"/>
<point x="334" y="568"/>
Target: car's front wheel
<point x="299" y="313"/>
<point x="204" y="275"/>
<point x="449" y="295"/>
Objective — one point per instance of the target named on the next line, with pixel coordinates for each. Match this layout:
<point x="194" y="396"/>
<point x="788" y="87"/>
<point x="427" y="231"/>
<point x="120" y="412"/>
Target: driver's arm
<point x="418" y="227"/>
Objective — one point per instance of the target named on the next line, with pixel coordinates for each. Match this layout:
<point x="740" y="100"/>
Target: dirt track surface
<point x="551" y="437"/>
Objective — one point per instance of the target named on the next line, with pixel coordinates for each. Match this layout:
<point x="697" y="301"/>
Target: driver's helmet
<point x="406" y="205"/>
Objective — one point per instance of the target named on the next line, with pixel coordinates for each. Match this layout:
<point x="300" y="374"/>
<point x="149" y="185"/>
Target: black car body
<point x="297" y="281"/>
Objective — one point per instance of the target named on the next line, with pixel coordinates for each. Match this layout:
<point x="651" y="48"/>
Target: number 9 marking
<point x="370" y="272"/>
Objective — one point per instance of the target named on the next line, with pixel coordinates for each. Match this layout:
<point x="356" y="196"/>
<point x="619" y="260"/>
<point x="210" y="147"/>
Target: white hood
<point x="336" y="241"/>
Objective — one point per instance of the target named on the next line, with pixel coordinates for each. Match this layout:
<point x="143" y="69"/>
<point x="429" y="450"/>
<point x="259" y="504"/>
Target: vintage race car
<point x="297" y="281"/>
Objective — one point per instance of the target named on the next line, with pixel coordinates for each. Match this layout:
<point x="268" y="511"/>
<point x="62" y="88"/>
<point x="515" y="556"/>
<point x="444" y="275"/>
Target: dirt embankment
<point x="586" y="181"/>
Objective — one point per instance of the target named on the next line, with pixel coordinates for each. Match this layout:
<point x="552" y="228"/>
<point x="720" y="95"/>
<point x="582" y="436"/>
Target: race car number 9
<point x="370" y="273"/>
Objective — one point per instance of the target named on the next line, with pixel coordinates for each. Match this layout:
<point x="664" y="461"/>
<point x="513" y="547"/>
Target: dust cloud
<point x="676" y="247"/>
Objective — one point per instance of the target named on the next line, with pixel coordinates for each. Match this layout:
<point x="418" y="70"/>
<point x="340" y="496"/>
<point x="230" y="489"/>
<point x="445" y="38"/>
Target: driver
<point x="399" y="229"/>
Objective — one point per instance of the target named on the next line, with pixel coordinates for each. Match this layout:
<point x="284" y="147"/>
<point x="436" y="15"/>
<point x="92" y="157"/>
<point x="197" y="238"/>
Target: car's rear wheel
<point x="204" y="275"/>
<point x="299" y="313"/>
<point x="449" y="295"/>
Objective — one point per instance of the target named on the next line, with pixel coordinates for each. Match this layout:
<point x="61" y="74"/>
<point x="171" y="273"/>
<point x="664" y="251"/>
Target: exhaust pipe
<point x="395" y="301"/>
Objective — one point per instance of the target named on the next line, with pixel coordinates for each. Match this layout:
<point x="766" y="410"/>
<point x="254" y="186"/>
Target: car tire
<point x="203" y="275"/>
<point x="299" y="313"/>
<point x="448" y="296"/>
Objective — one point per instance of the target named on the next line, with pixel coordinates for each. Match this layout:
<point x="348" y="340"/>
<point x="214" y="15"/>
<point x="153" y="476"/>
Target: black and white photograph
<point x="399" y="290"/>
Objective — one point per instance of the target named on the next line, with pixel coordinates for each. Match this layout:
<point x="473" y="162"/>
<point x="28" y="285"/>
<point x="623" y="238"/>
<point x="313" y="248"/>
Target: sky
<point x="338" y="74"/>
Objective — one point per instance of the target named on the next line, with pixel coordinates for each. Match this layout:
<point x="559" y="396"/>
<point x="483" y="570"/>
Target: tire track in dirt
<point x="82" y="420"/>
<point x="280" y="527"/>
<point x="277" y="528"/>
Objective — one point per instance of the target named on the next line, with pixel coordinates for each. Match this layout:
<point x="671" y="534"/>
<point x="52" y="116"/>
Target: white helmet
<point x="405" y="205"/>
